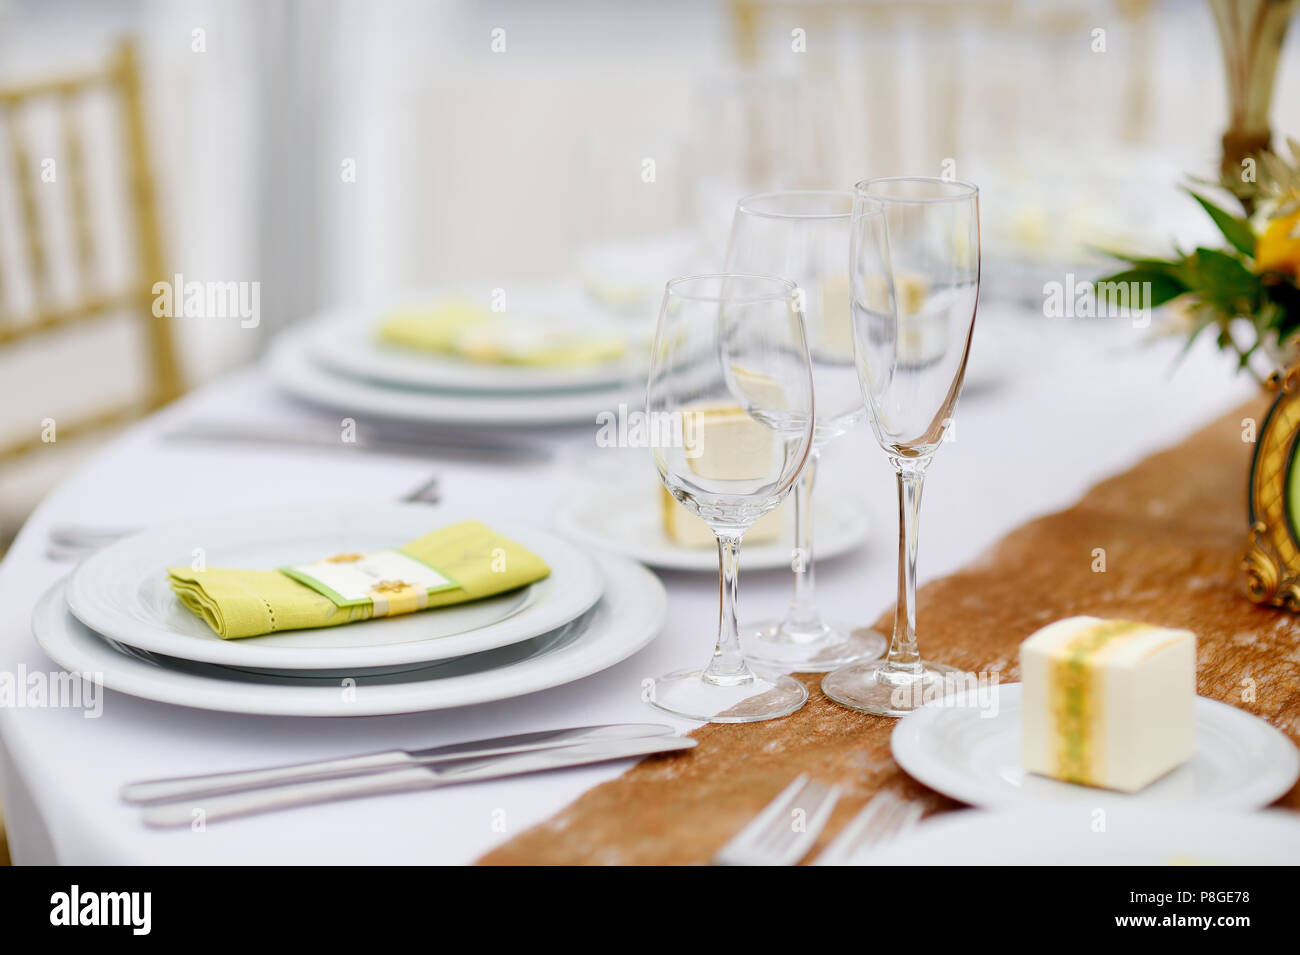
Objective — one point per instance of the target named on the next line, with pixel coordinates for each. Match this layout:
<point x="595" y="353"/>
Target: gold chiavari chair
<point x="119" y="82"/>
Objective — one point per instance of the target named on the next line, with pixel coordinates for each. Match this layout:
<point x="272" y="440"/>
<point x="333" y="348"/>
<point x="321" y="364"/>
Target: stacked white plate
<point x="116" y="618"/>
<point x="337" y="361"/>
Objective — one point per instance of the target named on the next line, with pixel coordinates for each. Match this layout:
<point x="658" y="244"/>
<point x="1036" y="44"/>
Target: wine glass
<point x="804" y="236"/>
<point x="729" y="407"/>
<point x="915" y="264"/>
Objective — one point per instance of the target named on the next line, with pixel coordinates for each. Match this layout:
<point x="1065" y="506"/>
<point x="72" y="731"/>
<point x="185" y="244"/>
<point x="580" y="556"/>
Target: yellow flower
<point x="1278" y="249"/>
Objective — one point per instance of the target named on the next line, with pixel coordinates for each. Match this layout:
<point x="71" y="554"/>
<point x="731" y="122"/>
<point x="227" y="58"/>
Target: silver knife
<point x="205" y="810"/>
<point x="186" y="787"/>
<point x="424" y="445"/>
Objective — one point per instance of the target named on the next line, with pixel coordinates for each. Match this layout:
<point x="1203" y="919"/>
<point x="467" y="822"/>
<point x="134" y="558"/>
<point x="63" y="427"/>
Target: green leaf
<point x="1134" y="259"/>
<point x="1237" y="231"/>
<point x="1161" y="285"/>
<point x="1222" y="280"/>
<point x="1218" y="269"/>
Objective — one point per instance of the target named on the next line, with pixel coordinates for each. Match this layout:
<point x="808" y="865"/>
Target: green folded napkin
<point x="479" y="335"/>
<point x="248" y="603"/>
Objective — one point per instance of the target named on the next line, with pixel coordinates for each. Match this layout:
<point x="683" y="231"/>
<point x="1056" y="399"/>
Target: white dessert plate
<point x="972" y="754"/>
<point x="624" y="517"/>
<point x="122" y="592"/>
<point x="629" y="615"/>
<point x="1126" y="834"/>
<point x="347" y="343"/>
<point x="295" y="372"/>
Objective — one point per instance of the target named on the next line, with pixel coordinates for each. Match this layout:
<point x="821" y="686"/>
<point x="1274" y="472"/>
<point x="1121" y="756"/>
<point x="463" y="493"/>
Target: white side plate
<point x="630" y="614"/>
<point x="1240" y="762"/>
<point x="122" y="591"/>
<point x="625" y="518"/>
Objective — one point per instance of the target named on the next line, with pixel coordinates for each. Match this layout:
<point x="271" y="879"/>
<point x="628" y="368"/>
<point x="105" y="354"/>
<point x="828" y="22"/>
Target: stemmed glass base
<point x="786" y="647"/>
<point x="745" y="698"/>
<point x="879" y="688"/>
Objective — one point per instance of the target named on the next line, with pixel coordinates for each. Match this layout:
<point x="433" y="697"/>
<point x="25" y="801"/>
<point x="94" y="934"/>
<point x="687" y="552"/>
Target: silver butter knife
<point x="205" y="810"/>
<point x="186" y="787"/>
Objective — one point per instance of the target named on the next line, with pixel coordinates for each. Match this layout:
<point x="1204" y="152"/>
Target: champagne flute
<point x="915" y="264"/>
<point x="804" y="236"/>
<point x="729" y="406"/>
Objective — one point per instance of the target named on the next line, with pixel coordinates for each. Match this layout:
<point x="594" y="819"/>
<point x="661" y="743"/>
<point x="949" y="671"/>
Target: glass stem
<point x="803" y="616"/>
<point x="728" y="666"/>
<point x="903" y="654"/>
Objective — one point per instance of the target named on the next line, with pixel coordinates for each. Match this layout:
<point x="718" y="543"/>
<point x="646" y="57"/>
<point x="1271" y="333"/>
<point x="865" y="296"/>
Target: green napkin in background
<point x="249" y="603"/>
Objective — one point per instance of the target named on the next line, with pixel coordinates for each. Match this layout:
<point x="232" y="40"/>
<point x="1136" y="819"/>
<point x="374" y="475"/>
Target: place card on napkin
<point x="389" y="581"/>
<point x="459" y="563"/>
<point x="479" y="335"/>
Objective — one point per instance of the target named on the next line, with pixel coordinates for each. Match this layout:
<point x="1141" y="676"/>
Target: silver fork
<point x="884" y="818"/>
<point x="71" y="542"/>
<point x="776" y="836"/>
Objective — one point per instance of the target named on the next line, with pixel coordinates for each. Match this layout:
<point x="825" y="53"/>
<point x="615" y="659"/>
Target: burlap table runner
<point x="1173" y="530"/>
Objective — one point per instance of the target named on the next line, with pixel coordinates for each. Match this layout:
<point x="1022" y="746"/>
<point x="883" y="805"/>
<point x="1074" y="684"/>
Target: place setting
<point x="500" y="612"/>
<point x="466" y="614"/>
<point x="465" y="360"/>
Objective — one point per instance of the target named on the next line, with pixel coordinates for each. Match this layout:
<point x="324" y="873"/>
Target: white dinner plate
<point x="630" y="614"/>
<point x="952" y="745"/>
<point x="624" y="517"/>
<point x="1127" y="834"/>
<point x="294" y="371"/>
<point x="347" y="343"/>
<point x="122" y="591"/>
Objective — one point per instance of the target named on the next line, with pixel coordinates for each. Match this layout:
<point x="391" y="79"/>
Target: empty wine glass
<point x="803" y="235"/>
<point x="915" y="265"/>
<point x="729" y="407"/>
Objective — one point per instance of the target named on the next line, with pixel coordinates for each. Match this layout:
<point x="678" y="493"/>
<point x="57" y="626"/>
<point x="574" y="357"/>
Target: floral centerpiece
<point x="1248" y="291"/>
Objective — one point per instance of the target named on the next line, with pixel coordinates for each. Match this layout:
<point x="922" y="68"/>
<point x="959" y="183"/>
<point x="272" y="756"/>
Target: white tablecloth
<point x="1087" y="403"/>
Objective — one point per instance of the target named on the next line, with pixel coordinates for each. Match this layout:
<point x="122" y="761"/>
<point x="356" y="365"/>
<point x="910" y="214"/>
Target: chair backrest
<point x="86" y="297"/>
<point x="927" y="57"/>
